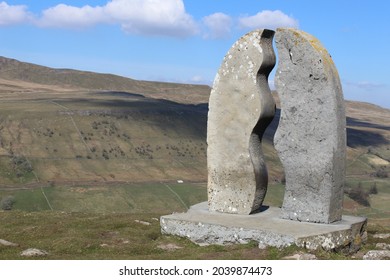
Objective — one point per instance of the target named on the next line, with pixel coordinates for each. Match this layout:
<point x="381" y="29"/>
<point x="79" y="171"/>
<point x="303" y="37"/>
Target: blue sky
<point x="186" y="40"/>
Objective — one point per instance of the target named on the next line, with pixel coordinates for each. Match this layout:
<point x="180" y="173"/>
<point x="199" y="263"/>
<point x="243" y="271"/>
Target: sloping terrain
<point x="16" y="76"/>
<point x="66" y="125"/>
<point x="88" y="163"/>
<point x="61" y="124"/>
<point x="100" y="136"/>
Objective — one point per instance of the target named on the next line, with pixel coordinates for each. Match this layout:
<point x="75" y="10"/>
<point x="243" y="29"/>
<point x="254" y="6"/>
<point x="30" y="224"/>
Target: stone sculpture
<point x="240" y="109"/>
<point x="311" y="136"/>
<point x="310" y="140"/>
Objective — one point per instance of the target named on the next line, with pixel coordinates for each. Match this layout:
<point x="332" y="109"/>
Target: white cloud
<point x="147" y="17"/>
<point x="219" y="25"/>
<point x="65" y="16"/>
<point x="152" y="17"/>
<point x="13" y="14"/>
<point x="268" y="19"/>
<point x="143" y="17"/>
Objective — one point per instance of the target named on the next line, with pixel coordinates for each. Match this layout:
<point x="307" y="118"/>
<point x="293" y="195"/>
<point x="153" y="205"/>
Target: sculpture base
<point x="265" y="227"/>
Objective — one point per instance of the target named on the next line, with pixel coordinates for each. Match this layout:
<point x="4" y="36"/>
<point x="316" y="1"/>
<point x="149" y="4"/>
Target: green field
<point x="168" y="197"/>
<point x="100" y="222"/>
<point x="378" y="212"/>
<point x="164" y="197"/>
<point x="108" y="222"/>
<point x="121" y="198"/>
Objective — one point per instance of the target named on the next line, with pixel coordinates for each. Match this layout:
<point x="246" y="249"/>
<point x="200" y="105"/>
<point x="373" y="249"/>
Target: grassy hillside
<point x="115" y="149"/>
<point x="17" y="76"/>
<point x="118" y="136"/>
<point x="100" y="136"/>
<point x="57" y="128"/>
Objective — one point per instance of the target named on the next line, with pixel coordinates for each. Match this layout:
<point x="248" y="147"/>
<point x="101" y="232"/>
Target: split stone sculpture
<point x="310" y="141"/>
<point x="311" y="136"/>
<point x="240" y="109"/>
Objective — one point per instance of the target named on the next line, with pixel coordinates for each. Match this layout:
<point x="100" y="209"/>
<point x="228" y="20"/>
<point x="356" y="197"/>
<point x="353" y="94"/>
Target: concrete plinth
<point x="265" y="227"/>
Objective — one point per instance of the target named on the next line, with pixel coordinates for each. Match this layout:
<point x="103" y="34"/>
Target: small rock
<point x="7" y="243"/>
<point x="382" y="246"/>
<point x="377" y="255"/>
<point x="32" y="252"/>
<point x="169" y="247"/>
<point x="301" y="256"/>
<point x="262" y="246"/>
<point x="143" y="222"/>
<point x="381" y="235"/>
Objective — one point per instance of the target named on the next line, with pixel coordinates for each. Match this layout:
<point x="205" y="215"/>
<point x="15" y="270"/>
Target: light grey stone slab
<point x="382" y="246"/>
<point x="32" y="252"/>
<point x="381" y="235"/>
<point x="377" y="255"/>
<point x="311" y="136"/>
<point x="7" y="243"/>
<point x="265" y="227"/>
<point x="240" y="108"/>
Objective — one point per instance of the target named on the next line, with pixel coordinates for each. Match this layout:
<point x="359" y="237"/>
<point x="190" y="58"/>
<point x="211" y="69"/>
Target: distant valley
<point x="62" y="127"/>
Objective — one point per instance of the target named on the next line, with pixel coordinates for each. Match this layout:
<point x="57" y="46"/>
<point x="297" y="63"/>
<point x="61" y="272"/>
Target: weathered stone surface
<point x="311" y="136"/>
<point x="240" y="108"/>
<point x="382" y="246"/>
<point x="265" y="227"/>
<point x="377" y="255"/>
<point x="7" y="243"/>
<point x="32" y="252"/>
<point x="381" y="235"/>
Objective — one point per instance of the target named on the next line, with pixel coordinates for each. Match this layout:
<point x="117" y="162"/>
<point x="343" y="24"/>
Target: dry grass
<point x="73" y="236"/>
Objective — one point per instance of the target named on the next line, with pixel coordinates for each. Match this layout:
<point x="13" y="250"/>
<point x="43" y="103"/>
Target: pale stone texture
<point x="32" y="252"/>
<point x="265" y="227"/>
<point x="7" y="243"/>
<point x="311" y="136"/>
<point x="377" y="255"/>
<point x="381" y="235"/>
<point x="240" y="108"/>
<point x="382" y="246"/>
